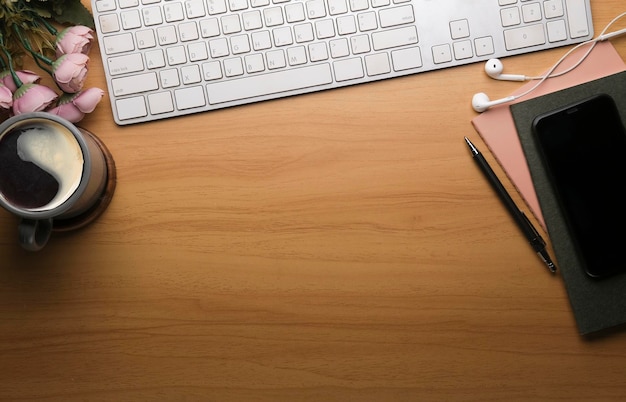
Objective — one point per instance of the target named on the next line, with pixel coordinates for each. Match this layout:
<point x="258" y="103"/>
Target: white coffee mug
<point x="49" y="171"/>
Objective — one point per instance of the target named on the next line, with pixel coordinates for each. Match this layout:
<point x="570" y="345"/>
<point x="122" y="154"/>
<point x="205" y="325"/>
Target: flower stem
<point x="16" y="79"/>
<point x="46" y="24"/>
<point x="36" y="56"/>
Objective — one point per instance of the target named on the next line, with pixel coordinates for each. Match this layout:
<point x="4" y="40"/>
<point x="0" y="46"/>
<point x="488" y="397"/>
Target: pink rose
<point x="73" y="107"/>
<point x="26" y="76"/>
<point x="76" y="39"/>
<point x="68" y="111"/>
<point x="70" y="71"/>
<point x="32" y="98"/>
<point x="6" y="97"/>
<point x="87" y="100"/>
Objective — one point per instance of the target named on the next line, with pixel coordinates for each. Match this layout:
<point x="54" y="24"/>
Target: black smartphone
<point x="583" y="148"/>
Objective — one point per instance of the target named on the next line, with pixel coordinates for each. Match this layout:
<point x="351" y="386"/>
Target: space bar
<point x="269" y="84"/>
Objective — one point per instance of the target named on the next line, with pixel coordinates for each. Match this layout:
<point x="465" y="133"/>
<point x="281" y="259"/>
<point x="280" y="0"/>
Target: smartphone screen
<point x="583" y="147"/>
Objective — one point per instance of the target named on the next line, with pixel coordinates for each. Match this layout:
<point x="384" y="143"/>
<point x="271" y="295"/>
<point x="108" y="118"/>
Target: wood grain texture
<point x="333" y="246"/>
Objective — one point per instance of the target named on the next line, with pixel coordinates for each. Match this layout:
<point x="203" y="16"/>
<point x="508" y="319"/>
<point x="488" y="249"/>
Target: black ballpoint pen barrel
<point x="506" y="199"/>
<point x="533" y="237"/>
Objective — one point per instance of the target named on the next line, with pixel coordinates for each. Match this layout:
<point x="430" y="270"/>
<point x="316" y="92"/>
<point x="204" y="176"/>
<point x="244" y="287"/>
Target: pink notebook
<point x="497" y="129"/>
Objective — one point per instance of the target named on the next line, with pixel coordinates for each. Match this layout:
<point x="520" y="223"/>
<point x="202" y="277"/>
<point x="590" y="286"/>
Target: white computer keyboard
<point x="166" y="58"/>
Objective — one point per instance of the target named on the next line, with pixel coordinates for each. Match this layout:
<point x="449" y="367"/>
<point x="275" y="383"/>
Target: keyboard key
<point x="336" y="7"/>
<point x="118" y="43"/>
<point x="531" y="12"/>
<point x="151" y="16"/>
<point x="377" y="64"/>
<point x="145" y="39"/>
<point x="129" y="63"/>
<point x="128" y="3"/>
<point x="188" y="32"/>
<point x="553" y="8"/>
<point x="252" y="20"/>
<point x="459" y="29"/>
<point x="406" y="59"/>
<point x="462" y="50"/>
<point x="197" y="51"/>
<point x="167" y="35"/>
<point x="339" y="48"/>
<point x="190" y="74"/>
<point x="173" y="11"/>
<point x="133" y="84"/>
<point x="349" y="69"/>
<point x="216" y="7"/>
<point x="315" y="9"/>
<point x="189" y="98"/>
<point x="396" y="16"/>
<point x="577" y="18"/>
<point x="556" y="31"/>
<point x="254" y="63"/>
<point x="109" y="23"/>
<point x="360" y="44"/>
<point x="176" y="55"/>
<point x="394" y="38"/>
<point x="358" y="5"/>
<point x="272" y="83"/>
<point x="367" y="21"/>
<point x="155" y="59"/>
<point x="527" y="36"/>
<point x="296" y="55"/>
<point x="131" y="19"/>
<point x="131" y="108"/>
<point x="510" y="16"/>
<point x="233" y="67"/>
<point x="209" y="27"/>
<point x="169" y="78"/>
<point x="237" y="5"/>
<point x="442" y="54"/>
<point x="160" y="102"/>
<point x="194" y="9"/>
<point x="105" y="5"/>
<point x="318" y="52"/>
<point x="346" y="25"/>
<point x="211" y="70"/>
<point x="484" y="46"/>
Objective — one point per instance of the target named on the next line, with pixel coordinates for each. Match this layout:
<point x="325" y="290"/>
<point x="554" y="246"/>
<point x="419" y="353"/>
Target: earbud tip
<point x="480" y="102"/>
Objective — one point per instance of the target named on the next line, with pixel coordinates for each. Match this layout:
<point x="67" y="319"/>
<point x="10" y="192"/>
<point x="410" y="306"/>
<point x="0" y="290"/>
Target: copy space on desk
<point x="497" y="129"/>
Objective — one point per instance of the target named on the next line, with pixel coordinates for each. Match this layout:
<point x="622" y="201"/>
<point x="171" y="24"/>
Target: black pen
<point x="533" y="237"/>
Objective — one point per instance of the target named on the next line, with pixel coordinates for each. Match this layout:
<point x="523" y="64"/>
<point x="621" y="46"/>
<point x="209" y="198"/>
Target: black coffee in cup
<point x="40" y="165"/>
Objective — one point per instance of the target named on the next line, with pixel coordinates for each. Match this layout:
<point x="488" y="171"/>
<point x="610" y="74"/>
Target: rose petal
<point x="87" y="100"/>
<point x="68" y="111"/>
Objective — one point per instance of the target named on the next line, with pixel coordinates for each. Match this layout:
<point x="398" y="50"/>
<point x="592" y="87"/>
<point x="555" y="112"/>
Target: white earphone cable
<point x="592" y="43"/>
<point x="601" y="37"/>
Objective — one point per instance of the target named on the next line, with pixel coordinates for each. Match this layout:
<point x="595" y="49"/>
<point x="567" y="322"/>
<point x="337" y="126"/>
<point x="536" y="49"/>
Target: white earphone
<point x="494" y="69"/>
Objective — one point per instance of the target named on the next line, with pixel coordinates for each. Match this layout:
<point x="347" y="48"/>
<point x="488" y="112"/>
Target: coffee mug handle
<point x="34" y="234"/>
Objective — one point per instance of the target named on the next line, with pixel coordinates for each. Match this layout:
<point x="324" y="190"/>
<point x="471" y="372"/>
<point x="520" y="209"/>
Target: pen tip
<point x="471" y="146"/>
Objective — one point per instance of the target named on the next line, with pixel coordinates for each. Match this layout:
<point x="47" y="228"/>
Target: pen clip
<point x="537" y="240"/>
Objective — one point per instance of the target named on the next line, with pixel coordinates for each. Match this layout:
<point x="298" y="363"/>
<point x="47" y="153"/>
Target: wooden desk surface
<point x="334" y="246"/>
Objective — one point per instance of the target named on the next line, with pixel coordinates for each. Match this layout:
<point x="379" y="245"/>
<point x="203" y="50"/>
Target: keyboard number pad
<point x="538" y="22"/>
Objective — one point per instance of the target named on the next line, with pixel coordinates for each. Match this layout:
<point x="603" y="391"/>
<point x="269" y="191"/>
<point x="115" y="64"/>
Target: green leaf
<point x="77" y="14"/>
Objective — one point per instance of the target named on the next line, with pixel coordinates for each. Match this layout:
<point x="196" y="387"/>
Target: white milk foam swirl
<point x="57" y="153"/>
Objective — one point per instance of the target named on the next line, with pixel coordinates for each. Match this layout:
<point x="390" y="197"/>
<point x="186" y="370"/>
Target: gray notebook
<point x="597" y="304"/>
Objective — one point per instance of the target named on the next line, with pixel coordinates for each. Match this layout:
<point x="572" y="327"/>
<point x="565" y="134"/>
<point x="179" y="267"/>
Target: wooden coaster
<point x="84" y="219"/>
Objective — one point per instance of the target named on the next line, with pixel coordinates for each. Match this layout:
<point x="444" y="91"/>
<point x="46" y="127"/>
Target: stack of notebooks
<point x="506" y="129"/>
